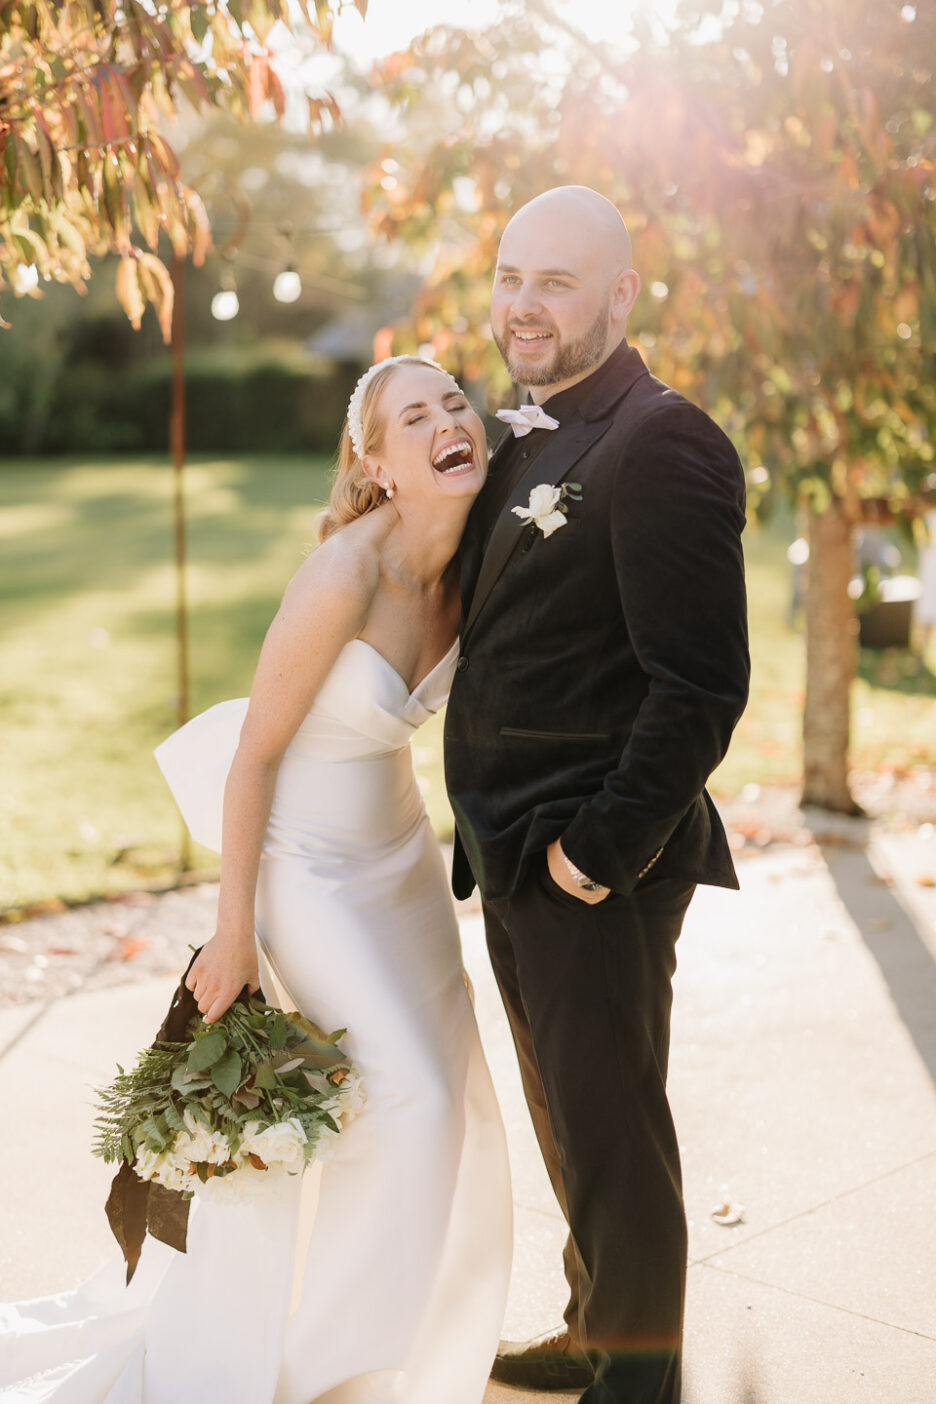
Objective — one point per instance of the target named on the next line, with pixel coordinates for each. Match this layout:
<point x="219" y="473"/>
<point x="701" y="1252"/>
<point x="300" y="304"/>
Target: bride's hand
<point x="220" y="972"/>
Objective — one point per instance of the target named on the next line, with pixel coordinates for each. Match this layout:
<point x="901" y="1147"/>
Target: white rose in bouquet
<point x="346" y="1106"/>
<point x="197" y="1144"/>
<point x="161" y="1166"/>
<point x="283" y="1144"/>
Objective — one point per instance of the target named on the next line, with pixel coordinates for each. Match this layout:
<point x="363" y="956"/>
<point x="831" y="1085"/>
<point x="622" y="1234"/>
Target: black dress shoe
<point x="547" y="1362"/>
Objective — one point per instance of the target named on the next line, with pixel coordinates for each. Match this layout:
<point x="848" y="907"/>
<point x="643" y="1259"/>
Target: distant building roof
<point x="350" y="335"/>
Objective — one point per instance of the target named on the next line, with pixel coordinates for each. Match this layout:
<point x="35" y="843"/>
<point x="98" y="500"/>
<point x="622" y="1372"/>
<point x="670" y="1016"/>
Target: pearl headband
<point x="356" y="403"/>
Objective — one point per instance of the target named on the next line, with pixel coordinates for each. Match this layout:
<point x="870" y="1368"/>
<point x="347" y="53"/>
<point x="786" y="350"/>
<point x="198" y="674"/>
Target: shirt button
<point x="462" y="663"/>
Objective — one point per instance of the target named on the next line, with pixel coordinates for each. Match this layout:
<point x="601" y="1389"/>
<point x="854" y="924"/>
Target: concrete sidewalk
<point x="802" y="1080"/>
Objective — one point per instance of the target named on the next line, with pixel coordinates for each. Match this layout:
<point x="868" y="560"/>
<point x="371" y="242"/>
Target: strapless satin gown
<point x="401" y="1280"/>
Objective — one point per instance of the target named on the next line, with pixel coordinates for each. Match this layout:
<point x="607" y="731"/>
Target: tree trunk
<point x="831" y="642"/>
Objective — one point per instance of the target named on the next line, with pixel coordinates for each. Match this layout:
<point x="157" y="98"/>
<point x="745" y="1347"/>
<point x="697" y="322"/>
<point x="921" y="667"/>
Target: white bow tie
<point x="527" y="417"/>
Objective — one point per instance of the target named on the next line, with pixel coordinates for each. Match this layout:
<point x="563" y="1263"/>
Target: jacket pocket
<point x="517" y="733"/>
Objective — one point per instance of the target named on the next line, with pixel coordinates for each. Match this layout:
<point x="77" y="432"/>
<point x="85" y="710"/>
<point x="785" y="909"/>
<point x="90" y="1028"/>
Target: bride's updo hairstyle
<point x="353" y="492"/>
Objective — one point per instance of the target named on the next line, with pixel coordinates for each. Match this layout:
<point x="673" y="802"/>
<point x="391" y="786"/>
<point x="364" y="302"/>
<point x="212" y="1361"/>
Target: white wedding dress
<point x="401" y="1279"/>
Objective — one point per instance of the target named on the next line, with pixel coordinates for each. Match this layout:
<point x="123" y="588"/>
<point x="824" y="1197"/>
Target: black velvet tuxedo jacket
<point x="602" y="668"/>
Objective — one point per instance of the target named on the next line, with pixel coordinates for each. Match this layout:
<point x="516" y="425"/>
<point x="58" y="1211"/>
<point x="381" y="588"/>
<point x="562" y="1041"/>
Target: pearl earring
<point x="389" y="491"/>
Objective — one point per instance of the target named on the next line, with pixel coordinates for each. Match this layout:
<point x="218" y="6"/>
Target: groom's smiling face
<point x="562" y="289"/>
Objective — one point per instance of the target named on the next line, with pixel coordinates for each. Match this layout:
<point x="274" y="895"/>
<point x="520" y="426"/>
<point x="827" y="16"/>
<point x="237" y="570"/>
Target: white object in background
<point x="926" y="604"/>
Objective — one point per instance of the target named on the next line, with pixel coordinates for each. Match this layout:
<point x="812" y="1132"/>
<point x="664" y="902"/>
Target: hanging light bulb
<point x="225" y="305"/>
<point x="287" y="286"/>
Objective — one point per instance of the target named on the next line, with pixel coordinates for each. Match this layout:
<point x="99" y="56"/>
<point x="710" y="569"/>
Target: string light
<point x="225" y="305"/>
<point x="287" y="286"/>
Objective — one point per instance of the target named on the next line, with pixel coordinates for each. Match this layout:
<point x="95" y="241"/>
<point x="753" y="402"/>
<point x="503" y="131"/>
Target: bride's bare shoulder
<point x="346" y="562"/>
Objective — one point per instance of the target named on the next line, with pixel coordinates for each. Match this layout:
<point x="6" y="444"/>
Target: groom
<point x="604" y="664"/>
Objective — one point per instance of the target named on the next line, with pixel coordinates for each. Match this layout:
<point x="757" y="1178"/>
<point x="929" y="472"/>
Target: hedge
<point x="266" y="398"/>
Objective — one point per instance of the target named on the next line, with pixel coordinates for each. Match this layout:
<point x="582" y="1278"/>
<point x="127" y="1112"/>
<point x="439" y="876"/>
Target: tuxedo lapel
<point x="553" y="463"/>
<point x="472" y="547"/>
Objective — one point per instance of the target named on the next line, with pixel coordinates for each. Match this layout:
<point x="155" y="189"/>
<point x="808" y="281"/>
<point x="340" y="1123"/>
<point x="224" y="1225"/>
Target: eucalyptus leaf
<point x="323" y="1058"/>
<point x="312" y="1046"/>
<point x="181" y="1079"/>
<point x="313" y="1031"/>
<point x="207" y="1050"/>
<point x="265" y="1077"/>
<point x="226" y="1072"/>
<point x="173" y="1118"/>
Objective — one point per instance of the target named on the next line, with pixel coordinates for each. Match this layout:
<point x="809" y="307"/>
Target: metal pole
<point x="177" y="447"/>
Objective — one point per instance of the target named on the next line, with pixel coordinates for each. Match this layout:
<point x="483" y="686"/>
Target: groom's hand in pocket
<point x="559" y="872"/>
<point x="223" y="967"/>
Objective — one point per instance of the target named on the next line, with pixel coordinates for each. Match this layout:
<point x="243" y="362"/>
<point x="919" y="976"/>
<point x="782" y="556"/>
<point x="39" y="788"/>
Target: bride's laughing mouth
<point x="455" y="459"/>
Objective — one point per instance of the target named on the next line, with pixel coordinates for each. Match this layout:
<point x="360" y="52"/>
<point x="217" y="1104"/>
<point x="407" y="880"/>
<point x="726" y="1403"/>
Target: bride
<point x="331" y="874"/>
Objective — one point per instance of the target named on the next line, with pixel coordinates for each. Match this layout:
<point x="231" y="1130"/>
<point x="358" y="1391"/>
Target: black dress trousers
<point x="588" y="992"/>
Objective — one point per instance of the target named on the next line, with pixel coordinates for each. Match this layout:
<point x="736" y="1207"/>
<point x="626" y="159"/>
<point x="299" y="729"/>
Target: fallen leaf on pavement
<point x="129" y="947"/>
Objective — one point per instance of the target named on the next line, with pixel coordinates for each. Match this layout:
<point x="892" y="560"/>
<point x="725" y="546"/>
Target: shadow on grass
<point x="891" y="935"/>
<point x="107" y="538"/>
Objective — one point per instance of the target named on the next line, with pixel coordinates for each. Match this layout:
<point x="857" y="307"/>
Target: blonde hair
<point x="353" y="493"/>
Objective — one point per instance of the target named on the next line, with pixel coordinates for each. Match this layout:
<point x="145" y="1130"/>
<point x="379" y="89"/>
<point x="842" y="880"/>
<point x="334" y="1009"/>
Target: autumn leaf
<point x="157" y="284"/>
<point x="84" y="169"/>
<point x="129" y="293"/>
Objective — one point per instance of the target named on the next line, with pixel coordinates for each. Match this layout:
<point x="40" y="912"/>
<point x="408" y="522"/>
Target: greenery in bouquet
<point x="259" y="1090"/>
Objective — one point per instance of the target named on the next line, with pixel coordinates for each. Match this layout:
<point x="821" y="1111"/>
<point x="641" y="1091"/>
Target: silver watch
<point x="587" y="884"/>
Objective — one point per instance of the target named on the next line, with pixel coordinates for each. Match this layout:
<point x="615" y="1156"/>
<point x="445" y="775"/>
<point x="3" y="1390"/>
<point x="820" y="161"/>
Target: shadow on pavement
<point x="891" y="935"/>
<point x="745" y="1389"/>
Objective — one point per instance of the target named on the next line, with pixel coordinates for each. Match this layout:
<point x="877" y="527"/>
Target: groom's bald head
<point x="580" y="216"/>
<point x="563" y="288"/>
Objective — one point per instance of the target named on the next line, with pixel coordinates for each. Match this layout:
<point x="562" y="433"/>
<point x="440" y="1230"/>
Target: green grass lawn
<point x="87" y="658"/>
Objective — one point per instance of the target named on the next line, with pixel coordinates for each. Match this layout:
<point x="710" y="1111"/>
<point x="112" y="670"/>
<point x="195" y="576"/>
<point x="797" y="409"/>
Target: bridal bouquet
<point x="242" y="1101"/>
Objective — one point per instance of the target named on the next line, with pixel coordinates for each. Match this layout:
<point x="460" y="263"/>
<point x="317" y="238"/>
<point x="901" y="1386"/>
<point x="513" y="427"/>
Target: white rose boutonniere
<point x="546" y="509"/>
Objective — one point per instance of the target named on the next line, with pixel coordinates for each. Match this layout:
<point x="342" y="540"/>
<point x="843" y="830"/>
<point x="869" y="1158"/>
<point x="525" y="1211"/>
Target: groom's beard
<point x="569" y="358"/>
